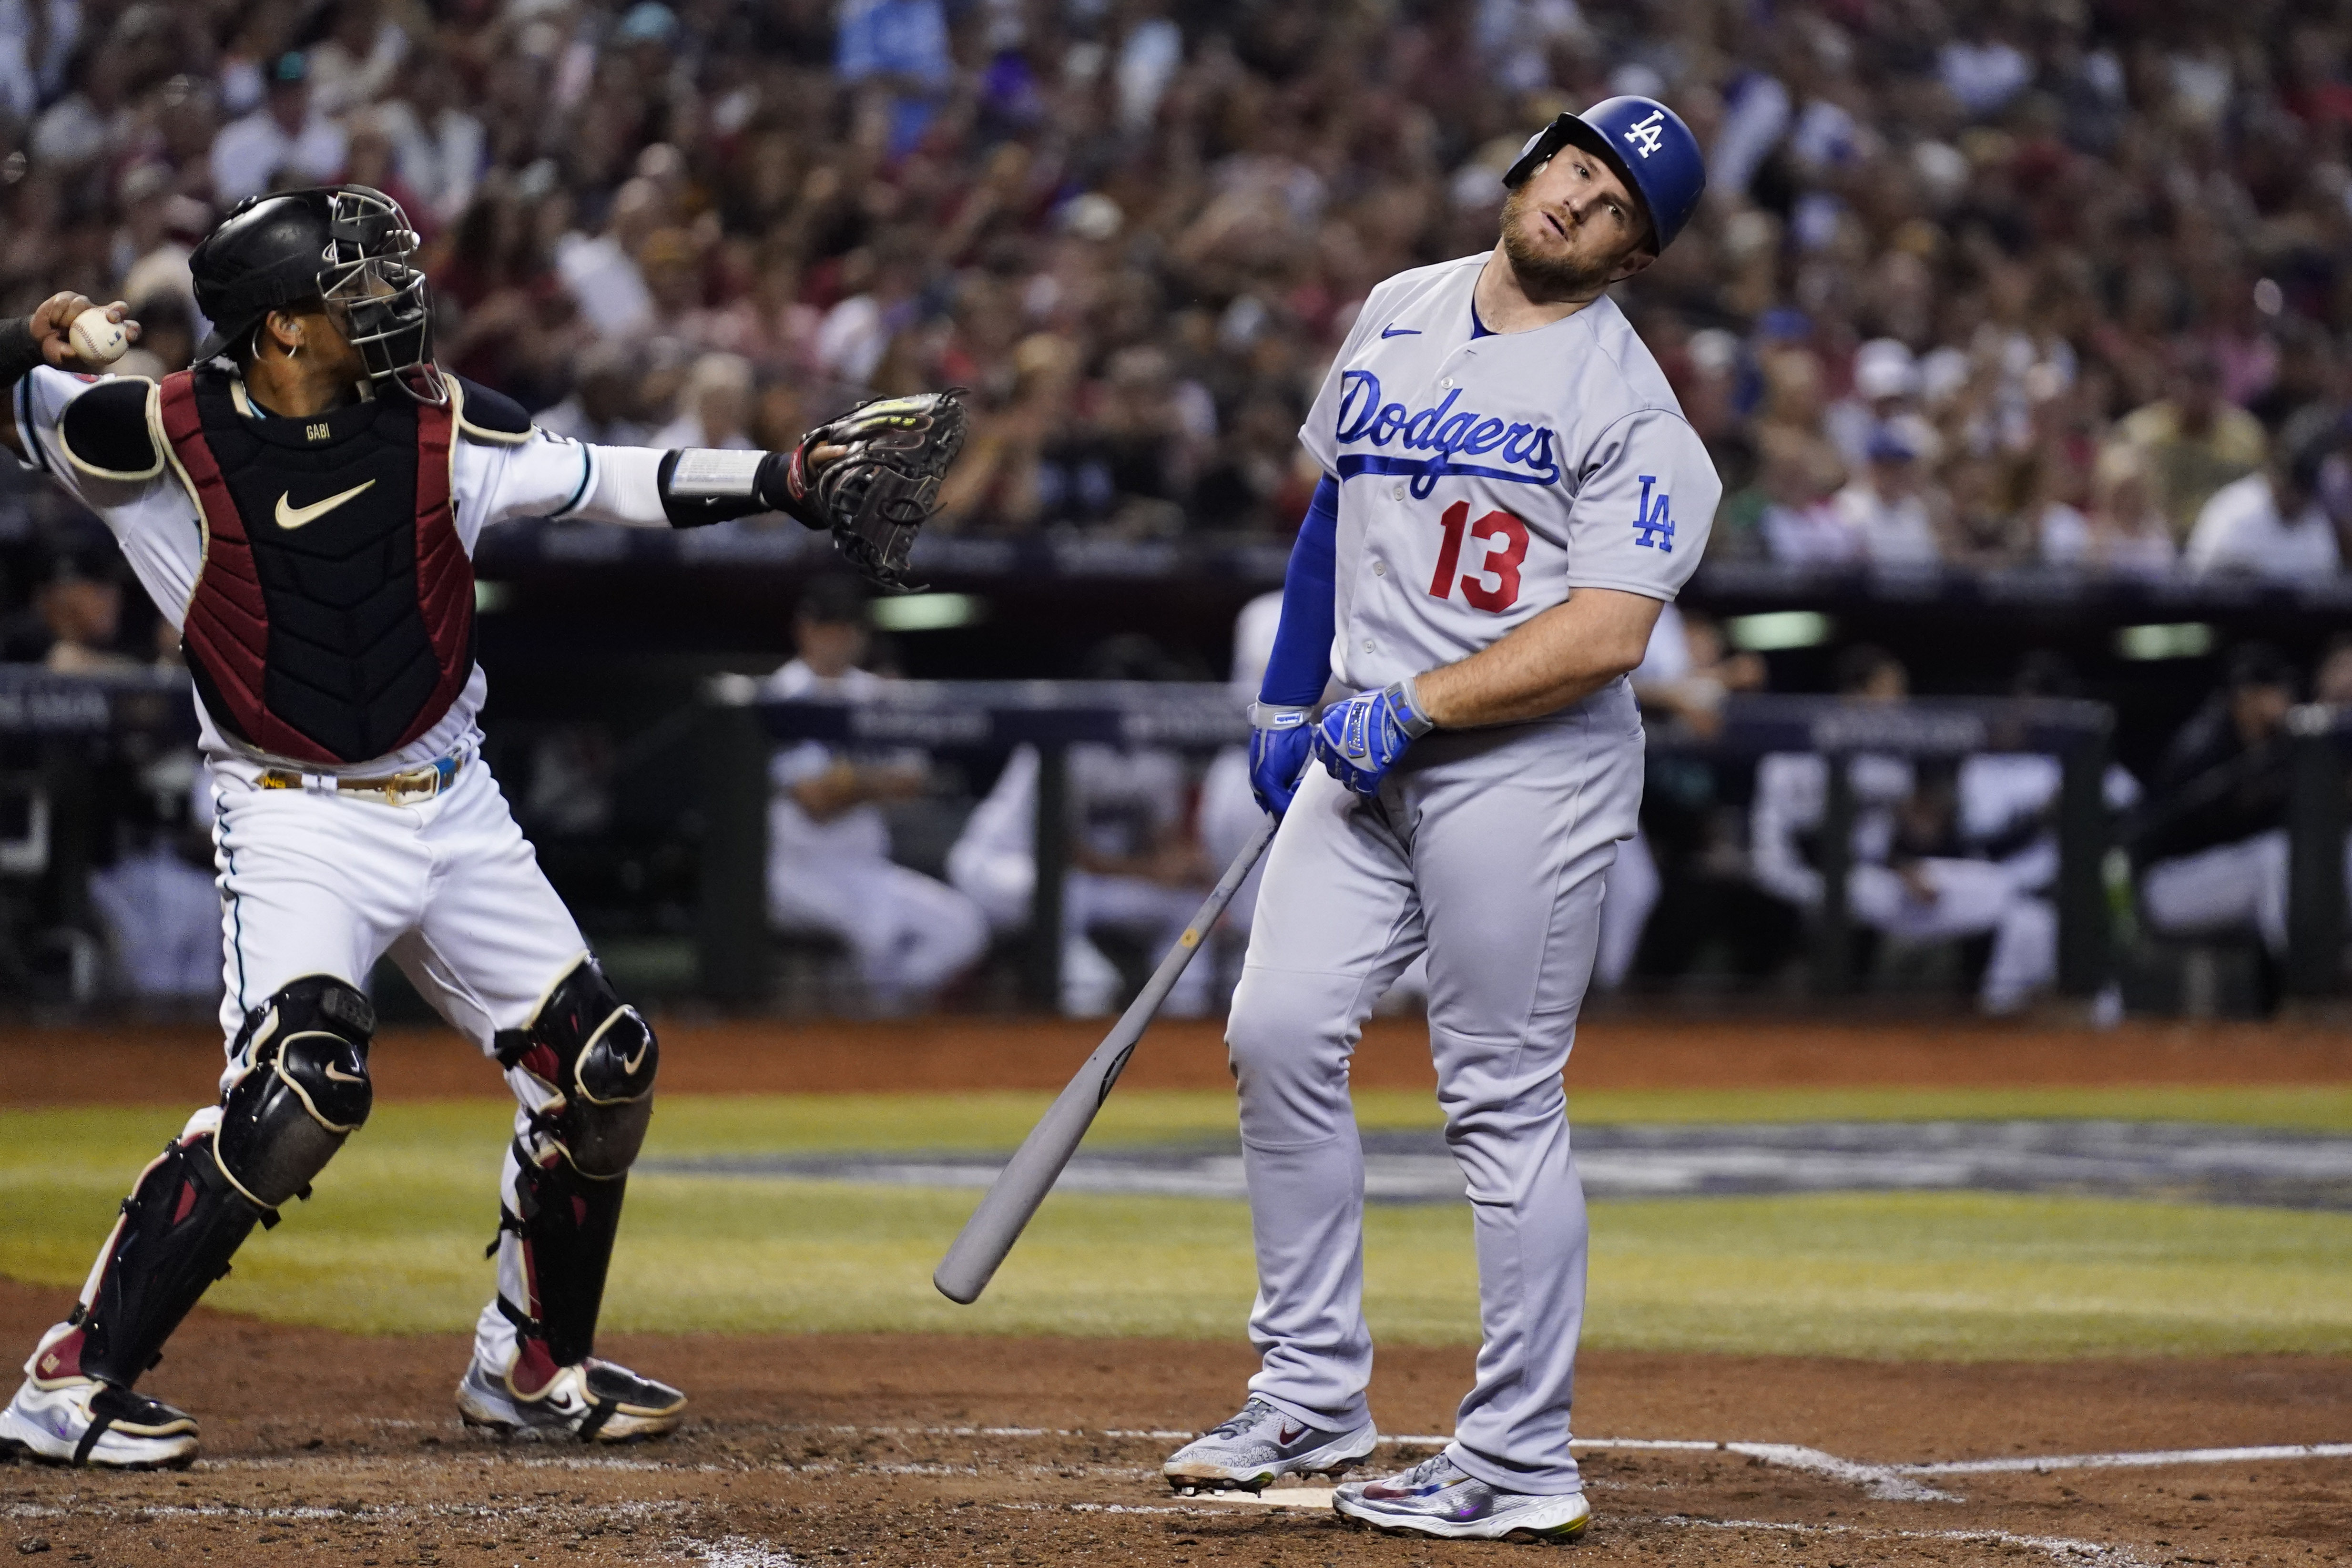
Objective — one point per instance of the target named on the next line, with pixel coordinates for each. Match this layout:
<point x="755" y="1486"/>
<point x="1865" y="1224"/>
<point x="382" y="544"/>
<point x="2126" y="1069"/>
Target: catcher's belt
<point x="408" y="787"/>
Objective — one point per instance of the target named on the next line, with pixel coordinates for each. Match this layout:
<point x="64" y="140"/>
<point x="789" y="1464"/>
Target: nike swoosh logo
<point x="291" y="517"/>
<point x="1399" y="331"/>
<point x="331" y="1073"/>
<point x="629" y="1068"/>
<point x="1290" y="1433"/>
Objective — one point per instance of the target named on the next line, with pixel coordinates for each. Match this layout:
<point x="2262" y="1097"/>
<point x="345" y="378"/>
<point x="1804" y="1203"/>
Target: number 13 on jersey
<point x="1493" y="585"/>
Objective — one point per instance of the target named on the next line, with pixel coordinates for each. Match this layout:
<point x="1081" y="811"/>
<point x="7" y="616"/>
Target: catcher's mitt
<point x="877" y="493"/>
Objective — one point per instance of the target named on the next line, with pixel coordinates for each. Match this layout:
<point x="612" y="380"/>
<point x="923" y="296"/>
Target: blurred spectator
<point x="81" y="609"/>
<point x="902" y="48"/>
<point x="829" y="866"/>
<point x="1136" y="870"/>
<point x="1908" y="877"/>
<point x="1885" y="398"/>
<point x="2122" y="532"/>
<point x="286" y="141"/>
<point x="2273" y="523"/>
<point x="2211" y="844"/>
<point x="2190" y="443"/>
<point x="1887" y="507"/>
<point x="714" y="407"/>
<point x="602" y="408"/>
<point x="1684" y="673"/>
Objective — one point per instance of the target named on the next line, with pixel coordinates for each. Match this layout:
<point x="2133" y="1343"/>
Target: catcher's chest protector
<point x="333" y="617"/>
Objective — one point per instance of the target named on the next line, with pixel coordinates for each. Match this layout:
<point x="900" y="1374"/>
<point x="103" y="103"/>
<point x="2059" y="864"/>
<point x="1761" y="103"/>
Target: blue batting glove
<point x="1359" y="741"/>
<point x="1281" y="739"/>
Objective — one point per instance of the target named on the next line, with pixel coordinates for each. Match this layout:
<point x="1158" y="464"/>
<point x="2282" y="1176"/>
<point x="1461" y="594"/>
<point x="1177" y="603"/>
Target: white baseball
<point x="96" y="340"/>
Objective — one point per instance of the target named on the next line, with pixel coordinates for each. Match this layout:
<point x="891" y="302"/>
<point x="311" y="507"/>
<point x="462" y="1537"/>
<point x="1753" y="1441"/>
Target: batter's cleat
<point x="1259" y="1444"/>
<point x="594" y="1401"/>
<point x="1437" y="1497"/>
<point x="85" y="1422"/>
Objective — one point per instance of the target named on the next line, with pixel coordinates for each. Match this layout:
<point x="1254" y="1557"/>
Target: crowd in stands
<point x="2049" y="280"/>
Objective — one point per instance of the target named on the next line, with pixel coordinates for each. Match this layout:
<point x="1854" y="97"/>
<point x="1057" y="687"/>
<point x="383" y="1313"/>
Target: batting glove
<point x="1281" y="739"/>
<point x="1360" y="740"/>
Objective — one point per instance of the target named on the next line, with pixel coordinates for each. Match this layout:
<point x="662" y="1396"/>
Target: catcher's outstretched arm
<point x="645" y="486"/>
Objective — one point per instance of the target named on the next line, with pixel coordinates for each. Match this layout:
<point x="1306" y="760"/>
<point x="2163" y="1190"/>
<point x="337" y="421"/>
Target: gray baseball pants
<point x="1487" y="849"/>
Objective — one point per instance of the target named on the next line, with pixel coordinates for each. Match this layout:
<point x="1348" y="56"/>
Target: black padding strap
<point x="98" y="1427"/>
<point x="19" y="354"/>
<point x="525" y="1324"/>
<point x="604" y="1411"/>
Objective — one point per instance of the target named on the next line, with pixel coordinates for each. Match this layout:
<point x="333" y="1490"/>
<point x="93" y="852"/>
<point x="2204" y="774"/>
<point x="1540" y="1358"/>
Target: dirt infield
<point x="180" y="1065"/>
<point x="823" y="1450"/>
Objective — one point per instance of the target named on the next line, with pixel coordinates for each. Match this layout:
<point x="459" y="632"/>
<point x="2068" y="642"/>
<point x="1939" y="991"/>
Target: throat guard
<point x="334" y="618"/>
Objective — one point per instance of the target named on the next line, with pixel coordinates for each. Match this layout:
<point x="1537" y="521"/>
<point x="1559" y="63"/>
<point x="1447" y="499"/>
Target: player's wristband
<point x="703" y="485"/>
<point x="1413" y="717"/>
<point x="19" y="353"/>
<point x="1274" y="716"/>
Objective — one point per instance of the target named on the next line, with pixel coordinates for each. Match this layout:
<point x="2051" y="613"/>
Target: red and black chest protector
<point x="333" y="617"/>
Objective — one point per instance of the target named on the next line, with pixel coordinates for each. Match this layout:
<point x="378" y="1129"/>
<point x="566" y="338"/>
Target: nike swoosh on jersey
<point x="1394" y="331"/>
<point x="293" y="517"/>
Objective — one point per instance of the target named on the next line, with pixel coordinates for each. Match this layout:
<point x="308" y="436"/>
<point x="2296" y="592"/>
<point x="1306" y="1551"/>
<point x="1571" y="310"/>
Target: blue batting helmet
<point x="1648" y="145"/>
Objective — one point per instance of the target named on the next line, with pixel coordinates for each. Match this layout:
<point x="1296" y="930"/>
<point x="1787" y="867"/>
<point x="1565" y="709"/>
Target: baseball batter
<point x="303" y="506"/>
<point x="1510" y="492"/>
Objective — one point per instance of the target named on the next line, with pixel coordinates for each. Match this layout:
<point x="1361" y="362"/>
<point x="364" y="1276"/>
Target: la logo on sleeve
<point x="1653" y="526"/>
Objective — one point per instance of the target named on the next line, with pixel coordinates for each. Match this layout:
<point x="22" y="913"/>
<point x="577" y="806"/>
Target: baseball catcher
<point x="303" y="506"/>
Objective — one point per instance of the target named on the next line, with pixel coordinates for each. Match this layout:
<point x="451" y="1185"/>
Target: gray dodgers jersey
<point x="1481" y="480"/>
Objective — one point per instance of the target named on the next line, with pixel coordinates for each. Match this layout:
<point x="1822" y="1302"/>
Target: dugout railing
<point x="54" y="727"/>
<point x="740" y="726"/>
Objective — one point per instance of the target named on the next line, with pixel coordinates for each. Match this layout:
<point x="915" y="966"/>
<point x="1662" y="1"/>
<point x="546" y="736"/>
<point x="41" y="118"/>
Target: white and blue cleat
<point x="1259" y="1445"/>
<point x="1437" y="1497"/>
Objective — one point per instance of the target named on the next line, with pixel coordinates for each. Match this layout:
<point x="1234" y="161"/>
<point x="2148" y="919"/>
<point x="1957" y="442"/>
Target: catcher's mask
<point x="348" y="245"/>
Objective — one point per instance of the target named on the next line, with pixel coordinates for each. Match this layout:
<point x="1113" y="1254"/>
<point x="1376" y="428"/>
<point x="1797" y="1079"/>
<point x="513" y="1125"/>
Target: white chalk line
<point x="1886" y="1482"/>
<point x="2131" y="1460"/>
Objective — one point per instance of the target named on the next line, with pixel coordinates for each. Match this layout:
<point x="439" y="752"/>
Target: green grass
<point x="392" y="1243"/>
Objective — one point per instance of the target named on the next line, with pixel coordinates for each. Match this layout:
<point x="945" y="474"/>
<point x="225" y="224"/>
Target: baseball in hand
<point x="96" y="339"/>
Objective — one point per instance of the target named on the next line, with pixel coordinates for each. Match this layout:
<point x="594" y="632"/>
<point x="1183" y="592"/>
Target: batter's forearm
<point x="1554" y="661"/>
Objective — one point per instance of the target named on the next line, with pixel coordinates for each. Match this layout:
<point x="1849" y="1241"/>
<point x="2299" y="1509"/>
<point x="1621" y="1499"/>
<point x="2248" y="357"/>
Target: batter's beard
<point x="1547" y="276"/>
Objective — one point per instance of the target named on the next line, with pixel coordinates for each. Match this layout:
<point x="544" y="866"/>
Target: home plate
<point x="1279" y="1497"/>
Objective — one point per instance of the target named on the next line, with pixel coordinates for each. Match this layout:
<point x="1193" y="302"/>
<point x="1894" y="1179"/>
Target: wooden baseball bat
<point x="1004" y="1211"/>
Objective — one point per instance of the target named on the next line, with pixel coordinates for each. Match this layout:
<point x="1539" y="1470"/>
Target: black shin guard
<point x="179" y="1226"/>
<point x="304" y="1089"/>
<point x="591" y="1061"/>
<point x="567" y="1225"/>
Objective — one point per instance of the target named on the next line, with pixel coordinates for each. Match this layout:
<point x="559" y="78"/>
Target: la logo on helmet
<point x="1645" y="134"/>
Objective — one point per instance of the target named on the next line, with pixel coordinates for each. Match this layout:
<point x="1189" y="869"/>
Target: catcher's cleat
<point x="1259" y="1444"/>
<point x="1437" y="1497"/>
<point x="594" y="1401"/>
<point x="66" y="1418"/>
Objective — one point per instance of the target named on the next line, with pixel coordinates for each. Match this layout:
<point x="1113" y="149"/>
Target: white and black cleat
<point x="1257" y="1446"/>
<point x="592" y="1401"/>
<point x="85" y="1422"/>
<point x="1437" y="1497"/>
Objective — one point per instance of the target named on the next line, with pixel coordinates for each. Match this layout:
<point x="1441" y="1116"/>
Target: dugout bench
<point x="739" y="727"/>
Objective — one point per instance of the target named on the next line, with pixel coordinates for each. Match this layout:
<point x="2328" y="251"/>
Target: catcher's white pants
<point x="1486" y="850"/>
<point x="313" y="883"/>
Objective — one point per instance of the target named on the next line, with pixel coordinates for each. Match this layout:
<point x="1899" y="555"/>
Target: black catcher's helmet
<point x="348" y="245"/>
